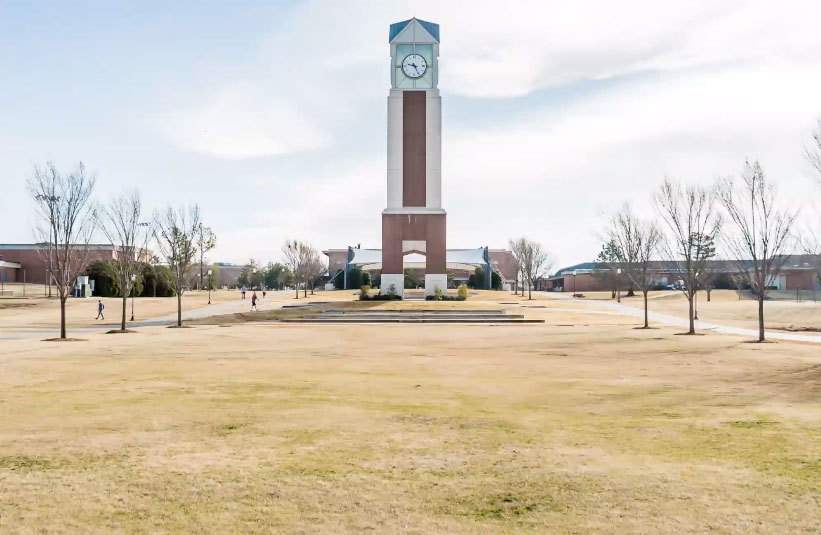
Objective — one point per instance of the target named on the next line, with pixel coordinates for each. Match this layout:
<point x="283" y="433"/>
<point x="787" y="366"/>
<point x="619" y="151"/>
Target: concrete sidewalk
<point x="216" y="309"/>
<point x="675" y="321"/>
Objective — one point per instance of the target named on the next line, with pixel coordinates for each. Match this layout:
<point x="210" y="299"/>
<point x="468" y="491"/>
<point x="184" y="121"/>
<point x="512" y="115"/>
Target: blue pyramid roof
<point x="397" y="28"/>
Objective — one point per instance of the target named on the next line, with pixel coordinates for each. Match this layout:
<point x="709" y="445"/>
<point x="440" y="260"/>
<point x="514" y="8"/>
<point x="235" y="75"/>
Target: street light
<point x="133" y="280"/>
<point x="210" y="272"/>
<point x="574" y="282"/>
<point x="618" y="287"/>
<point x="52" y="199"/>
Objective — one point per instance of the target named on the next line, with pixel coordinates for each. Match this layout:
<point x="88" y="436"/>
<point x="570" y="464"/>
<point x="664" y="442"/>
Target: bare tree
<point x="65" y="224"/>
<point x="637" y="242"/>
<point x="810" y="240"/>
<point x="291" y="252"/>
<point x="761" y="231"/>
<point x="689" y="214"/>
<point x="813" y="151"/>
<point x="535" y="262"/>
<point x="206" y="240"/>
<point x="518" y="249"/>
<point x="120" y="222"/>
<point x="175" y="233"/>
<point x="312" y="266"/>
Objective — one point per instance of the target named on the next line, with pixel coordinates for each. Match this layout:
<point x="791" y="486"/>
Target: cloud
<point x="553" y="173"/>
<point x="242" y="121"/>
<point x="690" y="93"/>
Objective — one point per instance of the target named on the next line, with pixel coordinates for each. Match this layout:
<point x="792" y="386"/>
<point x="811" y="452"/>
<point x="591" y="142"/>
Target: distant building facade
<point x="459" y="266"/>
<point x="32" y="259"/>
<point x="800" y="272"/>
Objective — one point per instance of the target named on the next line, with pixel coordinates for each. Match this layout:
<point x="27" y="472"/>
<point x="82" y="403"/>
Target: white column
<point x="395" y="149"/>
<point x="398" y="281"/>
<point x="433" y="150"/>
<point x="432" y="280"/>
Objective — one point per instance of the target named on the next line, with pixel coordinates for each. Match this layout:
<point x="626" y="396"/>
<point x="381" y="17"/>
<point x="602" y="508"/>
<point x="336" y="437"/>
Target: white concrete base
<point x="434" y="280"/>
<point x="398" y="281"/>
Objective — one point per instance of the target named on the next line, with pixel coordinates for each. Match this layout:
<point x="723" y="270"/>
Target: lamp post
<point x="210" y="272"/>
<point x="52" y="200"/>
<point x="574" y="282"/>
<point x="133" y="280"/>
<point x="618" y="286"/>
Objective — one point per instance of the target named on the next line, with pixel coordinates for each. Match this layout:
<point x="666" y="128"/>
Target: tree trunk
<point x="125" y="302"/>
<point x="62" y="317"/>
<point x="708" y="294"/>
<point x="296" y="285"/>
<point x="692" y="321"/>
<point x="179" y="305"/>
<point x="761" y="318"/>
<point x="646" y="324"/>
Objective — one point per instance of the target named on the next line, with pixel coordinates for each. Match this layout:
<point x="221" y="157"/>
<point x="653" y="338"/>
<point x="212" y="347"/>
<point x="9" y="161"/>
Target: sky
<point x="271" y="116"/>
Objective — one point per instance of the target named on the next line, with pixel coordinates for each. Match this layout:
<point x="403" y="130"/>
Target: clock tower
<point x="414" y="221"/>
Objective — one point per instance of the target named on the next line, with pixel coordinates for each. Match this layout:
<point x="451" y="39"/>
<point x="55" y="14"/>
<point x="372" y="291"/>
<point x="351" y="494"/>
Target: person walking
<point x="254" y="301"/>
<point x="100" y="307"/>
<point x="242" y="291"/>
<point x="263" y="294"/>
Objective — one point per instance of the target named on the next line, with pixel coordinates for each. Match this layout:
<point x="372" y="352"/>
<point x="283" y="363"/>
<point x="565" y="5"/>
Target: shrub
<point x="463" y="292"/>
<point x="437" y="292"/>
<point x="105" y="280"/>
<point x="355" y="278"/>
<point x="444" y="298"/>
<point x="157" y="282"/>
<point x="496" y="281"/>
<point x="364" y="293"/>
<point x="386" y="297"/>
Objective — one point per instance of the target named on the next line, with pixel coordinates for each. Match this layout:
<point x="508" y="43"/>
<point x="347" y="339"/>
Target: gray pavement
<point x="216" y="309"/>
<point x="676" y="321"/>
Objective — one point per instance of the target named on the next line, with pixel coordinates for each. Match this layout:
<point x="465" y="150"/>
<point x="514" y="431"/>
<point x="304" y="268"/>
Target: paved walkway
<point x="216" y="309"/>
<point x="675" y="321"/>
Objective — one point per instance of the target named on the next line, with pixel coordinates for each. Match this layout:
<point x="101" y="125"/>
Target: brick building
<point x="32" y="260"/>
<point x="799" y="272"/>
<point x="502" y="261"/>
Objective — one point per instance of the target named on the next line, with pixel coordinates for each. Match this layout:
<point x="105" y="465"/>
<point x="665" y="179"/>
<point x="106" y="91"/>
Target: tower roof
<point x="397" y="27"/>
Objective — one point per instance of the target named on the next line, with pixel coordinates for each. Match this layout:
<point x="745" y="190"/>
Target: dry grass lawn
<point x="782" y="311"/>
<point x="580" y="425"/>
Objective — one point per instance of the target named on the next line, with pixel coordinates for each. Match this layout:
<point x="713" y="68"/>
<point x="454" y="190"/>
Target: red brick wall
<point x="585" y="282"/>
<point x="34" y="265"/>
<point x="336" y="261"/>
<point x="800" y="280"/>
<point x="505" y="263"/>
<point x="414" y="140"/>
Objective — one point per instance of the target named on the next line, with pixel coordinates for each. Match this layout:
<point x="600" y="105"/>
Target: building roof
<point x="397" y="27"/>
<point x="454" y="258"/>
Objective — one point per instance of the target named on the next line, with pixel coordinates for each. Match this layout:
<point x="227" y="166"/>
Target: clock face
<point x="414" y="66"/>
